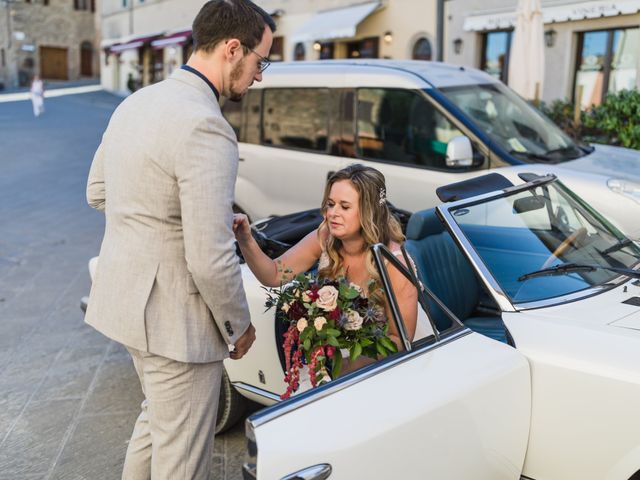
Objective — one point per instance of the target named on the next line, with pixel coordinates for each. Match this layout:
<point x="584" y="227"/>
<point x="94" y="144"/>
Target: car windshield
<point x="511" y="122"/>
<point x="539" y="228"/>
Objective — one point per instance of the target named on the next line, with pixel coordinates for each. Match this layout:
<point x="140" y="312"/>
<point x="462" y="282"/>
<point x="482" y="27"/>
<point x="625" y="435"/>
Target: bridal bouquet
<point x="323" y="317"/>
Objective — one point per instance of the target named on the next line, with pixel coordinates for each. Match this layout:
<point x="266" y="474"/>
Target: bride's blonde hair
<point x="377" y="224"/>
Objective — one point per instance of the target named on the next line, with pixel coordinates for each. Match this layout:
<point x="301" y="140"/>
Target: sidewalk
<point x="68" y="396"/>
<point x="53" y="85"/>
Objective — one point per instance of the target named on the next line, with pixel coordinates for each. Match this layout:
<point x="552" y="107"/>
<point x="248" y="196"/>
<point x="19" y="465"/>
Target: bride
<point x="356" y="217"/>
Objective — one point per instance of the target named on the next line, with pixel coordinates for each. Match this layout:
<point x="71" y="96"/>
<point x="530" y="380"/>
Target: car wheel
<point x="231" y="405"/>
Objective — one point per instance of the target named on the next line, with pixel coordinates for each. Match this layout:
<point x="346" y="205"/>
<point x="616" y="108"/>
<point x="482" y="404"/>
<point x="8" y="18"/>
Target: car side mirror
<point x="459" y="152"/>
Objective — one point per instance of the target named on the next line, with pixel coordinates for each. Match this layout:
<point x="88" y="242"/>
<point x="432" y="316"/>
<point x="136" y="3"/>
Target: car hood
<point x="600" y="333"/>
<point x="618" y="308"/>
<point x="612" y="162"/>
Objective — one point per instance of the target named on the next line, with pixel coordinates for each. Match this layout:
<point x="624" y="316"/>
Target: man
<point x="168" y="282"/>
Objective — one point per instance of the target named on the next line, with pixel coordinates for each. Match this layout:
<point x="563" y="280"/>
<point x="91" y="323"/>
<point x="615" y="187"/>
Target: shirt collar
<point x="196" y="72"/>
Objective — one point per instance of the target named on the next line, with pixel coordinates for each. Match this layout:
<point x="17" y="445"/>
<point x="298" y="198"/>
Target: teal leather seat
<point x="447" y="272"/>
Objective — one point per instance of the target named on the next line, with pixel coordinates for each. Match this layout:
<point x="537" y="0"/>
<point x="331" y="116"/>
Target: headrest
<point x="424" y="223"/>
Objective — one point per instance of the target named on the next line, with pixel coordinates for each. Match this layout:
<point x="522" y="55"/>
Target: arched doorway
<point x="86" y="59"/>
<point x="422" y="49"/>
<point x="298" y="52"/>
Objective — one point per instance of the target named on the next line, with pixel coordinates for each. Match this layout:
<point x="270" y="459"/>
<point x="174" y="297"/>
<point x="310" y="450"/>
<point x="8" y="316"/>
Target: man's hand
<point x="244" y="343"/>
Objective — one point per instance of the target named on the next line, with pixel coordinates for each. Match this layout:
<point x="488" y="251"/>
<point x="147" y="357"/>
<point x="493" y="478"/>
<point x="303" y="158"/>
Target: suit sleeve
<point x="206" y="168"/>
<point x="96" y="197"/>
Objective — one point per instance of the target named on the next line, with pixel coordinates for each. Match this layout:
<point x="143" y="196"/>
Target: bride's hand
<point x="241" y="227"/>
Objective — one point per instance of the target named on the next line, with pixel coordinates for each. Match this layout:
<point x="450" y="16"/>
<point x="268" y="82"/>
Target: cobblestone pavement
<point x="68" y="396"/>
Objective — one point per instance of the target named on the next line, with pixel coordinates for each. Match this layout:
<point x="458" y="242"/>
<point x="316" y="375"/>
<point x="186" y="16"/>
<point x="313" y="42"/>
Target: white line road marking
<point x="58" y="92"/>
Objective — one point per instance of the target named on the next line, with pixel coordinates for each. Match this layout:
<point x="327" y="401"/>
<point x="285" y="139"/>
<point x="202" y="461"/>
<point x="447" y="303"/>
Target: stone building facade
<point x="592" y="47"/>
<point x="55" y="39"/>
<point x="143" y="41"/>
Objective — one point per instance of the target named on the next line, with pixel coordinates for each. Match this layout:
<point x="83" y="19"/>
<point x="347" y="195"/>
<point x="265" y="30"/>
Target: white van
<point x="423" y="124"/>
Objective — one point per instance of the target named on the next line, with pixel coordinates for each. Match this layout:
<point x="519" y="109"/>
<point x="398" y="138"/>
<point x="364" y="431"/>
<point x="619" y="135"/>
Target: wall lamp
<point x="457" y="46"/>
<point x="317" y="46"/>
<point x="550" y="37"/>
<point x="388" y="37"/>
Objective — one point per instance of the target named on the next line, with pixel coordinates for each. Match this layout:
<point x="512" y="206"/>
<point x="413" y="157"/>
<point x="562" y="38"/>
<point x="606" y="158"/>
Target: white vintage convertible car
<point x="526" y="364"/>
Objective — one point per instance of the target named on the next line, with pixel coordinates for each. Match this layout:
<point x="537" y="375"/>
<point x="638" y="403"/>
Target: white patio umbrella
<point x="526" y="59"/>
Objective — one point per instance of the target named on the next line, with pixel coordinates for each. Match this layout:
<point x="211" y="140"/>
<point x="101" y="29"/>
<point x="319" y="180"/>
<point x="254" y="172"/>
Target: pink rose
<point x="319" y="323"/>
<point x="302" y="324"/>
<point x="354" y="321"/>
<point x="327" y="298"/>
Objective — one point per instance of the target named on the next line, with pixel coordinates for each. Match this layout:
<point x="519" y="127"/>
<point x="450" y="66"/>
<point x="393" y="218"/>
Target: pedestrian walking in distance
<point x="168" y="283"/>
<point x="37" y="96"/>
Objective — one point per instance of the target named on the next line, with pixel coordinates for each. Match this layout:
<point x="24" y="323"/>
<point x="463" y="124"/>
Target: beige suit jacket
<point x="168" y="280"/>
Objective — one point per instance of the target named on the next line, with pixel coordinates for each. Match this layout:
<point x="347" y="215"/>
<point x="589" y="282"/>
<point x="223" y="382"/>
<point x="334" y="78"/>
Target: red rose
<point x="335" y="314"/>
<point x="296" y="311"/>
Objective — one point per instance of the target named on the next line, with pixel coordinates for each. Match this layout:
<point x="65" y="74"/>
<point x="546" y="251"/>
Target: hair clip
<point x="383" y="197"/>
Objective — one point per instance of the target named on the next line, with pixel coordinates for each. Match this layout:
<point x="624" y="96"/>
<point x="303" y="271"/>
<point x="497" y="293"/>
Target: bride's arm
<point x="269" y="272"/>
<point x="407" y="297"/>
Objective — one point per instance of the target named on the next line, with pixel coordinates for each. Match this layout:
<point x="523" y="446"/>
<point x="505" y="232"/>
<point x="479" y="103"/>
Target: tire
<point x="231" y="405"/>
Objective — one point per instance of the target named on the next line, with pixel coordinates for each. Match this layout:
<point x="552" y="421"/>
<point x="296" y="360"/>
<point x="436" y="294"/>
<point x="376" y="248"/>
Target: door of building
<point x="54" y="63"/>
<point x="86" y="59"/>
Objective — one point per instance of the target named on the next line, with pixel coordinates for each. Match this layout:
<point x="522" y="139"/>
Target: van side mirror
<point x="459" y="152"/>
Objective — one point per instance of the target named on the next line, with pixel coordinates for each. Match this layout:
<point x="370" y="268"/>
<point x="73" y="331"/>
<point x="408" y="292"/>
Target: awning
<point x="335" y="23"/>
<point x="555" y="13"/>
<point x="174" y="39"/>
<point x="131" y="42"/>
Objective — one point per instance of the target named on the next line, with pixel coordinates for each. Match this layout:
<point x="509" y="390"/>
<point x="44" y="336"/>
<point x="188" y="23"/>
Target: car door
<point x="452" y="405"/>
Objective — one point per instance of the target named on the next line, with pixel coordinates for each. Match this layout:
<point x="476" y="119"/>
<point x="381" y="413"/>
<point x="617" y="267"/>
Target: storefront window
<point x="327" y="50"/>
<point x="495" y="54"/>
<point x="607" y="62"/>
<point x="422" y="50"/>
<point x="366" y="48"/>
<point x="276" y="54"/>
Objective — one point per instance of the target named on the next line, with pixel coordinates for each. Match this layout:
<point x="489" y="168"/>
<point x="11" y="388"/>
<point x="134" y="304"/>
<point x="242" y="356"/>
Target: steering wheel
<point x="575" y="237"/>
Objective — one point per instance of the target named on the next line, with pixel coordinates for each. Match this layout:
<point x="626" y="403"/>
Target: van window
<point x="232" y="112"/>
<point x="401" y="126"/>
<point x="252" y="103"/>
<point x="296" y="118"/>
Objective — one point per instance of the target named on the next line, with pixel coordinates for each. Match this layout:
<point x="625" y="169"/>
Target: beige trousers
<point x="173" y="435"/>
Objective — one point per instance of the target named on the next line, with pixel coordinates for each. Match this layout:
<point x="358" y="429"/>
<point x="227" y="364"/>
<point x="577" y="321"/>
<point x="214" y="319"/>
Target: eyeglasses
<point x="264" y="61"/>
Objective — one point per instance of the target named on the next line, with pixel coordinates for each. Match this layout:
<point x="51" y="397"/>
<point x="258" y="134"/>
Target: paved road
<point x="68" y="396"/>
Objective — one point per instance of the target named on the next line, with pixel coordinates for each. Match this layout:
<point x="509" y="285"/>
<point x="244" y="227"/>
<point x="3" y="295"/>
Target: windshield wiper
<point x="565" y="268"/>
<point x="531" y="155"/>
<point x="564" y="150"/>
<point x="617" y="246"/>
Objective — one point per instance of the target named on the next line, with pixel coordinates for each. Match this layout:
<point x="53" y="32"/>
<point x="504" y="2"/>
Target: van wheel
<point x="231" y="405"/>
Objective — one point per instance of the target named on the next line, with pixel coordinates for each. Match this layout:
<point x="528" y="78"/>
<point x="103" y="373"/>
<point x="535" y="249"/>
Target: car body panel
<point x="457" y="410"/>
<point x="585" y="387"/>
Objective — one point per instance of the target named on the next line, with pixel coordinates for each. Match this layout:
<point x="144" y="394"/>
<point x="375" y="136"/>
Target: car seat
<point x="449" y="275"/>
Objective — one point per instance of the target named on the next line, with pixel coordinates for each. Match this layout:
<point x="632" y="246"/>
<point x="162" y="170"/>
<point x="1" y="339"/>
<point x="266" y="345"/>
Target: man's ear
<point x="232" y="48"/>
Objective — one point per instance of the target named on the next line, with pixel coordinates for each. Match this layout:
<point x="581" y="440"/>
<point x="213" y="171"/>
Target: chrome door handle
<point x="317" y="472"/>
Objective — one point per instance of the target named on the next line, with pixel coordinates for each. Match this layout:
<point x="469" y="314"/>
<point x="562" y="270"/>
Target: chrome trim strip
<point x="310" y="396"/>
<point x="256" y="391"/>
<point x="478" y="265"/>
<point x="317" y="472"/>
<point x="580" y="294"/>
<point x="379" y="251"/>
